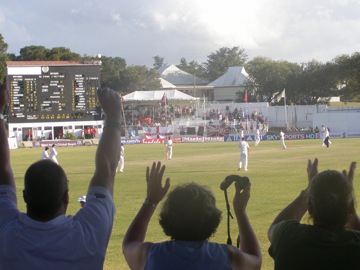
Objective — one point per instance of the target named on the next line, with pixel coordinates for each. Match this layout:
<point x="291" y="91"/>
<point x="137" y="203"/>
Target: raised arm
<point x="249" y="256"/>
<point x="6" y="173"/>
<point x="354" y="220"/>
<point x="133" y="246"/>
<point x="298" y="207"/>
<point x="108" y="151"/>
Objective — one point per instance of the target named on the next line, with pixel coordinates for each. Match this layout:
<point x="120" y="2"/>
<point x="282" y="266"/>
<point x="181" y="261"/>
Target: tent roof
<point x="235" y="76"/>
<point x="156" y="95"/>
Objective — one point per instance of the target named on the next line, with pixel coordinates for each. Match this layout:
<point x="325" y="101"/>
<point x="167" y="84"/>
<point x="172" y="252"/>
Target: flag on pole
<point x="246" y="96"/>
<point x="164" y="100"/>
<point x="282" y="95"/>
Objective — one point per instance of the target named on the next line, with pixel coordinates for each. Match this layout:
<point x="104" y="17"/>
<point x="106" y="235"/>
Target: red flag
<point x="245" y="96"/>
<point x="164" y="100"/>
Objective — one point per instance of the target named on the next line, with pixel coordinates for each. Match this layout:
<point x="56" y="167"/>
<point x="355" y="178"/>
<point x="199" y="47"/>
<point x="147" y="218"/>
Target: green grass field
<point x="277" y="176"/>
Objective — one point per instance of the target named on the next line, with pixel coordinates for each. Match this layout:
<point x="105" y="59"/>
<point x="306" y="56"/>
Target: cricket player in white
<point x="282" y="139"/>
<point x="257" y="137"/>
<point x="244" y="151"/>
<point x="169" y="146"/>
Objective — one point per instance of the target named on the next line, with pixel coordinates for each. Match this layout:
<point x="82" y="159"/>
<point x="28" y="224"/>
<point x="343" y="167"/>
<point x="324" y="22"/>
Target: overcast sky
<point x="137" y="30"/>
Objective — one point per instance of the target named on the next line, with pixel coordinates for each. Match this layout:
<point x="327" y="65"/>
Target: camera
<point x="243" y="181"/>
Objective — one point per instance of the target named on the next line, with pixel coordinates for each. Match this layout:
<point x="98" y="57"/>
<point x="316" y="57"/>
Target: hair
<point x="330" y="199"/>
<point x="46" y="148"/>
<point x="45" y="187"/>
<point x="189" y="213"/>
<point x="53" y="145"/>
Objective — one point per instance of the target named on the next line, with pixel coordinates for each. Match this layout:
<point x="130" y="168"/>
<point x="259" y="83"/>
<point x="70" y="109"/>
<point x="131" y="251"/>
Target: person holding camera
<point x="189" y="217"/>
<point x="332" y="241"/>
<point x="45" y="237"/>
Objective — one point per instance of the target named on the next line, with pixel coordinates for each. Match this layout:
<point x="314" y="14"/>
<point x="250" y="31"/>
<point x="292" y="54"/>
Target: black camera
<point x="243" y="181"/>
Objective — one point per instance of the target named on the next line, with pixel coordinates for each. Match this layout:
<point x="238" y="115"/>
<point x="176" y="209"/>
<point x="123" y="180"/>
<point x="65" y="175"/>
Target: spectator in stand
<point x="332" y="241"/>
<point x="44" y="237"/>
<point x="189" y="216"/>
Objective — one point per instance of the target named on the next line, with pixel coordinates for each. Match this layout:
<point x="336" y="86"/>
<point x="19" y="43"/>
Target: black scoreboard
<point x="53" y="93"/>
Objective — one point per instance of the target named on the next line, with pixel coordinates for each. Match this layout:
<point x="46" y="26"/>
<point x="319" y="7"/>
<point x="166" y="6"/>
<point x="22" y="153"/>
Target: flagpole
<point x="285" y="110"/>
<point x="246" y="111"/>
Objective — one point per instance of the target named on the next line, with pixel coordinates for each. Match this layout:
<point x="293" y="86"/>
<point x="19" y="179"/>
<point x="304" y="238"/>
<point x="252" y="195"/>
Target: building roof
<point x="235" y="76"/>
<point x="165" y="84"/>
<point x="176" y="76"/>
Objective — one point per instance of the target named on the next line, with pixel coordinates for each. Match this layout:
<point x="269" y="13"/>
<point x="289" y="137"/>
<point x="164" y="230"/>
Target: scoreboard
<point x="50" y="93"/>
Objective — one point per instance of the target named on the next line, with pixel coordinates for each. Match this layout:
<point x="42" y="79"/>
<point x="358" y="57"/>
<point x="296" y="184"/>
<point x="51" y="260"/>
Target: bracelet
<point x="148" y="202"/>
<point x="112" y="124"/>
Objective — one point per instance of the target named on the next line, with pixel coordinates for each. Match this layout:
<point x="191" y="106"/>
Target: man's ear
<point x="66" y="197"/>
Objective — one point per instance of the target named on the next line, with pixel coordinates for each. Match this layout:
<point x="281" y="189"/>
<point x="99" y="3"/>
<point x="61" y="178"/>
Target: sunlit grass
<point x="277" y="176"/>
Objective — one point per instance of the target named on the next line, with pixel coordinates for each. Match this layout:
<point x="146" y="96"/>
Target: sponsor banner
<point x="159" y="140"/>
<point x="158" y="132"/>
<point x="176" y="140"/>
<point x="130" y="141"/>
<point x="290" y="136"/>
<point x="352" y="135"/>
<point x="337" y="135"/>
<point x="58" y="143"/>
<point x="195" y="139"/>
<point x="236" y="138"/>
<point x="152" y="141"/>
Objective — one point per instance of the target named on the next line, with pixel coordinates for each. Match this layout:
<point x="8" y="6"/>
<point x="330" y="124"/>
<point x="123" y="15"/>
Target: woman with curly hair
<point x="189" y="217"/>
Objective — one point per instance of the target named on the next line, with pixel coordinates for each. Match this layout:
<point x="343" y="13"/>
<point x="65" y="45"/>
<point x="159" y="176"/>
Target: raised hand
<point x="155" y="190"/>
<point x="110" y="103"/>
<point x="312" y="170"/>
<point x="350" y="175"/>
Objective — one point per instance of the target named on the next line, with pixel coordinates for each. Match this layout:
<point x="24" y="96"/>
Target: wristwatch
<point x="1" y="116"/>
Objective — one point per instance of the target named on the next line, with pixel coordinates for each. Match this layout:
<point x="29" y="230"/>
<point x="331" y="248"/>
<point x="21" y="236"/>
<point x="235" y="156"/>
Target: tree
<point x="138" y="78"/>
<point x="3" y="58"/>
<point x="40" y="53"/>
<point x="62" y="54"/>
<point x="347" y="73"/>
<point x="33" y="53"/>
<point x="158" y="62"/>
<point x="193" y="68"/>
<point x="110" y="72"/>
<point x="268" y="77"/>
<point x="218" y="63"/>
<point x="318" y="80"/>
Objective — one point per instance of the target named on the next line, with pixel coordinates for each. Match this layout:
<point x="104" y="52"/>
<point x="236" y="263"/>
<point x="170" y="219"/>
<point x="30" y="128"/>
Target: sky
<point x="137" y="30"/>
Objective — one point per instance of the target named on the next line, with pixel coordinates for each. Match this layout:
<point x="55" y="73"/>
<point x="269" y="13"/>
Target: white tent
<point x="150" y="97"/>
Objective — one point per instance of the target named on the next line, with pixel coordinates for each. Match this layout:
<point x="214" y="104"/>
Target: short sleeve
<point x="8" y="206"/>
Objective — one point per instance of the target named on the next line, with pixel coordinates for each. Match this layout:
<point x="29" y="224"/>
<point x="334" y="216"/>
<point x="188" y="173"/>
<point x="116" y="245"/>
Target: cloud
<point x="297" y="31"/>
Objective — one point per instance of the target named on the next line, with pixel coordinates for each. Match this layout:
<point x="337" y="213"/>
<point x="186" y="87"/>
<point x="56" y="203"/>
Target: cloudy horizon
<point x="295" y="31"/>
